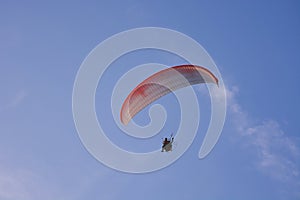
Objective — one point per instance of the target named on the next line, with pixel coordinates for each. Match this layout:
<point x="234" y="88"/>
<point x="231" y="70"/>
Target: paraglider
<point x="167" y="144"/>
<point x="162" y="83"/>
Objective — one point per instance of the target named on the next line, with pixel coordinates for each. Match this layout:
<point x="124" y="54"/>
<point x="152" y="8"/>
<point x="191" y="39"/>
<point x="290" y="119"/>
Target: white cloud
<point x="16" y="184"/>
<point x="19" y="182"/>
<point x="15" y="101"/>
<point x="277" y="153"/>
<point x="18" y="98"/>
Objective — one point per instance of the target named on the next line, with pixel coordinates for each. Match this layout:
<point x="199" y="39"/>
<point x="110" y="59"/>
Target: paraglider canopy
<point x="162" y="83"/>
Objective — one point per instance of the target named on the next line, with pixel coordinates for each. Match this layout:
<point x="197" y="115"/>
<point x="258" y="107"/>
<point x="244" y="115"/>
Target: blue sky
<point x="255" y="45"/>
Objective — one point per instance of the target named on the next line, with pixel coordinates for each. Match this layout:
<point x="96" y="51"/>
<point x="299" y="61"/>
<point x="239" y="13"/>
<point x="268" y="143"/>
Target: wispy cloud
<point x="277" y="153"/>
<point x="14" y="101"/>
<point x="16" y="184"/>
<point x="27" y="183"/>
